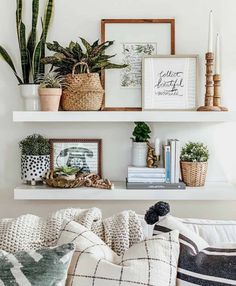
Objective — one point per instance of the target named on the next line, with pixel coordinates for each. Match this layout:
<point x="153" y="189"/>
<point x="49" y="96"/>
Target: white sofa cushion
<point x="215" y="232"/>
<point x="199" y="262"/>
<point x="150" y="262"/>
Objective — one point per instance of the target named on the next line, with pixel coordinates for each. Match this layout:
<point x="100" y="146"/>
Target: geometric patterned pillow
<point x="39" y="268"/>
<point x="149" y="262"/>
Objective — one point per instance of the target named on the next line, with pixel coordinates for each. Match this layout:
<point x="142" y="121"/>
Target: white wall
<point x="75" y="18"/>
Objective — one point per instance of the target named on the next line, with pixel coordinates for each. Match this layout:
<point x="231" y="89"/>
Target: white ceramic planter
<point x="29" y="93"/>
<point x="34" y="168"/>
<point x="50" y="98"/>
<point x="139" y="154"/>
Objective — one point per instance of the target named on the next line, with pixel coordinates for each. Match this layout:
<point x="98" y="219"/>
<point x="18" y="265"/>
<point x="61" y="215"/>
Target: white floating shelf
<point x="211" y="192"/>
<point x="123" y="116"/>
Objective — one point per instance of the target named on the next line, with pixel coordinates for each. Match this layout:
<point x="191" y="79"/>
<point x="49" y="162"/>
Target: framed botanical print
<point x="133" y="39"/>
<point x="84" y="154"/>
<point x="170" y="82"/>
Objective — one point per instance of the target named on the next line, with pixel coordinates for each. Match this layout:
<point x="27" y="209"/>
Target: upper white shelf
<point x="124" y="116"/>
<point x="211" y="192"/>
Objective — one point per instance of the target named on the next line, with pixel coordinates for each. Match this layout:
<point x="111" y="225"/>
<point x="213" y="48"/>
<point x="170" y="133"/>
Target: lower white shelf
<point x="211" y="192"/>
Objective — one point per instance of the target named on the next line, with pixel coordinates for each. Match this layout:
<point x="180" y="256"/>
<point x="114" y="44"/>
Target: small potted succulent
<point x="50" y="91"/>
<point x="194" y="162"/>
<point x="139" y="148"/>
<point x="35" y="158"/>
<point x="82" y="66"/>
<point x="67" y="173"/>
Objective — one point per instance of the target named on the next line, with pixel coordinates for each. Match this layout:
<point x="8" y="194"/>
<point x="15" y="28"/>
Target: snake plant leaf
<point x="19" y="7"/>
<point x="46" y="24"/>
<point x="8" y="60"/>
<point x="33" y="34"/>
<point x="24" y="53"/>
<point x="36" y="60"/>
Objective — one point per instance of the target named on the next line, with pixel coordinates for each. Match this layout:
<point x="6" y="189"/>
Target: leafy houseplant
<point x="82" y="66"/>
<point x="31" y="52"/>
<point x="141" y="134"/>
<point x="50" y="90"/>
<point x="194" y="162"/>
<point x="35" y="150"/>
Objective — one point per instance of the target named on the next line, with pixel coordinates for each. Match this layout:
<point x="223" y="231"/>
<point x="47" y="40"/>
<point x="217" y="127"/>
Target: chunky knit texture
<point x="32" y="232"/>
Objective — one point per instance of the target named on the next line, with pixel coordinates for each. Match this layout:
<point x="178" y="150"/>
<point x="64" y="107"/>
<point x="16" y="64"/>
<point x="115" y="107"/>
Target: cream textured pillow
<point x="151" y="262"/>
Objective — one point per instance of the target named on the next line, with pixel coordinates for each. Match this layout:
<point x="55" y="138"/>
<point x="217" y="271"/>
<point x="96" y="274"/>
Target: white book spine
<point x="177" y="162"/>
<point x="172" y="160"/>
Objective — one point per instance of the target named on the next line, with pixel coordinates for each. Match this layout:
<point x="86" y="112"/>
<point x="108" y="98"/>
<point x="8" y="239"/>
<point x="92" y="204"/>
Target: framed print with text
<point x="133" y="39"/>
<point x="169" y="82"/>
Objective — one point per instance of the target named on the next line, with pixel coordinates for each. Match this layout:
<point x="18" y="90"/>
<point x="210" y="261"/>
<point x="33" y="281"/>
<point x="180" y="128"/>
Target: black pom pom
<point x="159" y="209"/>
<point x="151" y="216"/>
<point x="162" y="208"/>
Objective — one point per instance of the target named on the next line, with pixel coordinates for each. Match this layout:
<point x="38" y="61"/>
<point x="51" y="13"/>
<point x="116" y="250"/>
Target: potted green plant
<point x="50" y="91"/>
<point x="194" y="162"/>
<point x="141" y="134"/>
<point x="35" y="150"/>
<point x="31" y="52"/>
<point x="67" y="173"/>
<point x="82" y="66"/>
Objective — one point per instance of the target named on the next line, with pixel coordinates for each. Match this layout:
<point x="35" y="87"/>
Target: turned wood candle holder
<point x="217" y="93"/>
<point x="209" y="96"/>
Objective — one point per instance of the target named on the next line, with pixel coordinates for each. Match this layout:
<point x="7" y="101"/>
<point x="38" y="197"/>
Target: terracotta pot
<point x="50" y="98"/>
<point x="29" y="93"/>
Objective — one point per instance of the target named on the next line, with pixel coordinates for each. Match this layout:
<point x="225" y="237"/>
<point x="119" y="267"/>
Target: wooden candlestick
<point x="209" y="106"/>
<point x="217" y="93"/>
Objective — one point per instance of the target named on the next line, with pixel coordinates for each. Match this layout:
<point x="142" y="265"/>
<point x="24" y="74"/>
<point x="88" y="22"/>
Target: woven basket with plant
<point x="194" y="164"/>
<point x="82" y="69"/>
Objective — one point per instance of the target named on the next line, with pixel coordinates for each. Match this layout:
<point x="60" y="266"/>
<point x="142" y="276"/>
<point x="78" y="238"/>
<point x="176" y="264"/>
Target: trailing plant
<point x="35" y="145"/>
<point x="33" y="50"/>
<point x="194" y="152"/>
<point x="88" y="57"/>
<point x="141" y="132"/>
<point x="51" y="80"/>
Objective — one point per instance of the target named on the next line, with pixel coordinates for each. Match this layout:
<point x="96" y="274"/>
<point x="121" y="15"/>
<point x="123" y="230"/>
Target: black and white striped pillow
<point x="199" y="263"/>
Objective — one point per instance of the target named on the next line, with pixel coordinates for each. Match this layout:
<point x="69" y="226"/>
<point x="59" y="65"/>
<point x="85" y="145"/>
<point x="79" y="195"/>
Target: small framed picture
<point x="133" y="39"/>
<point x="170" y="82"/>
<point x="84" y="154"/>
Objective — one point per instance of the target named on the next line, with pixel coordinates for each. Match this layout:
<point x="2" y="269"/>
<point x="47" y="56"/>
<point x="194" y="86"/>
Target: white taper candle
<point x="210" y="35"/>
<point x="218" y="58"/>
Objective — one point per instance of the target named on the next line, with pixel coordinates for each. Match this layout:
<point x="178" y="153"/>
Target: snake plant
<point x="88" y="57"/>
<point x="31" y="50"/>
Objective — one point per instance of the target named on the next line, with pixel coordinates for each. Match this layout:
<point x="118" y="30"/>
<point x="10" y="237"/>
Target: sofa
<point x="70" y="247"/>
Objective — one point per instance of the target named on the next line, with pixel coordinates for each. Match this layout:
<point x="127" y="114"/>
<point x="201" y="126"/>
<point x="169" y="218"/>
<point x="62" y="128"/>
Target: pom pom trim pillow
<point x="152" y="262"/>
<point x="199" y="263"/>
<point x="39" y="268"/>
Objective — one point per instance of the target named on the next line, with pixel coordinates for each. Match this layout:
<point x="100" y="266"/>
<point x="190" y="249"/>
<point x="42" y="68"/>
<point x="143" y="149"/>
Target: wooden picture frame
<point x="91" y="163"/>
<point x="170" y="82"/>
<point x="171" y="50"/>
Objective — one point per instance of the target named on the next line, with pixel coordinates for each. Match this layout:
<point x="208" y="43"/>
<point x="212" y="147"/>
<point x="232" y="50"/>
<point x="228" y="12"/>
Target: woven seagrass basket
<point x="194" y="173"/>
<point x="82" y="92"/>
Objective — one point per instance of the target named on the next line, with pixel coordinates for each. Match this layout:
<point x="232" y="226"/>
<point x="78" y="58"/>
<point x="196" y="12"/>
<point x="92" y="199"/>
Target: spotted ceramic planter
<point x="33" y="168"/>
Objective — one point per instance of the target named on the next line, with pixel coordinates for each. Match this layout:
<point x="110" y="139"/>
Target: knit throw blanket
<point x="32" y="232"/>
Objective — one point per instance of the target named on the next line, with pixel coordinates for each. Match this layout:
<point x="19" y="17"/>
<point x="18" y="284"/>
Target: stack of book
<point x="171" y="161"/>
<point x="149" y="178"/>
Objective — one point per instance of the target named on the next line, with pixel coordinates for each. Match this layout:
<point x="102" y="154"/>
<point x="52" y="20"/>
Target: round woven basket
<point x="82" y="92"/>
<point x="194" y="173"/>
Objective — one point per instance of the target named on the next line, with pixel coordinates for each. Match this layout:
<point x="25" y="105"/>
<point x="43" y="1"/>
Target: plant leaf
<point x="36" y="60"/>
<point x="86" y="44"/>
<point x="9" y="61"/>
<point x="33" y="34"/>
<point x="18" y="15"/>
<point x="24" y="53"/>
